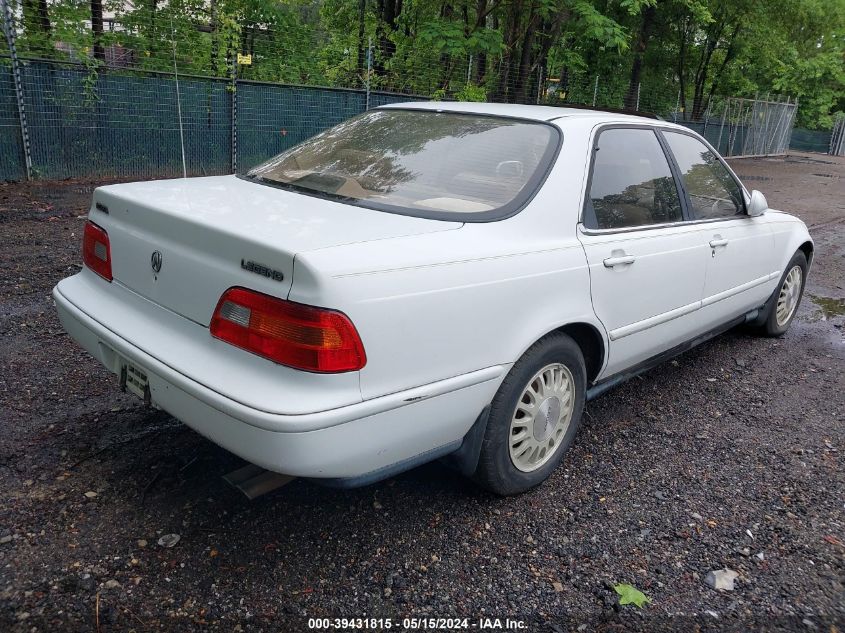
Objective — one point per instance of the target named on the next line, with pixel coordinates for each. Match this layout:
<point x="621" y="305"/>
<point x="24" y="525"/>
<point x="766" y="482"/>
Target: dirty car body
<point x="363" y="302"/>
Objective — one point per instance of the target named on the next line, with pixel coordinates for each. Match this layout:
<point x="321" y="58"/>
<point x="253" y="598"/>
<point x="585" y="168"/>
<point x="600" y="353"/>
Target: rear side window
<point x="632" y="184"/>
<point x="713" y="192"/>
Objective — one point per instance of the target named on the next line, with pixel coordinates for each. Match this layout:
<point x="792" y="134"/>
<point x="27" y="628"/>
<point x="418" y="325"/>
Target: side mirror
<point x="758" y="204"/>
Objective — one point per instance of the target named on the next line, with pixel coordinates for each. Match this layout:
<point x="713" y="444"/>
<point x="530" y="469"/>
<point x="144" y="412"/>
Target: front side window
<point x="423" y="163"/>
<point x="713" y="192"/>
<point x="632" y="184"/>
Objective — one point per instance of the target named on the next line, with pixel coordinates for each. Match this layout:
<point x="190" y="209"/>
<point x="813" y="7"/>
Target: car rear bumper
<point x="351" y="441"/>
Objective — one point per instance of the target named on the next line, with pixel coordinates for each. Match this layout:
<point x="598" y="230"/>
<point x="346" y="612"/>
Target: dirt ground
<point x="729" y="456"/>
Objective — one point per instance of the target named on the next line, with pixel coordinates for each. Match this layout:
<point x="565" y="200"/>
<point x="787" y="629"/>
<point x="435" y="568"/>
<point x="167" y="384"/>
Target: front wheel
<point x="533" y="417"/>
<point x="784" y="302"/>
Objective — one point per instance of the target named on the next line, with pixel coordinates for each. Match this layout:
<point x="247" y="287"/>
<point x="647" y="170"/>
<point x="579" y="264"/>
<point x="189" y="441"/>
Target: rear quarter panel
<point x="434" y="306"/>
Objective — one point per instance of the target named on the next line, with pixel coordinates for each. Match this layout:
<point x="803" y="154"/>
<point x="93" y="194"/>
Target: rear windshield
<point x="428" y="164"/>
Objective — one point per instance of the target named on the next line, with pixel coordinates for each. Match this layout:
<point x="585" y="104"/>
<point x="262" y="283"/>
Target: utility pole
<point x="540" y="78"/>
<point x="369" y="71"/>
<point x="178" y="100"/>
<point x="234" y="93"/>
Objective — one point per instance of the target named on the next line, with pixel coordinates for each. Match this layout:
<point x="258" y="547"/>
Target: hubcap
<point x="790" y="291"/>
<point x="541" y="417"/>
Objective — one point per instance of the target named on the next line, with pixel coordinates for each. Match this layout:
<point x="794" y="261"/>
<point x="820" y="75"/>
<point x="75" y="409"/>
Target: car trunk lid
<point x="208" y="234"/>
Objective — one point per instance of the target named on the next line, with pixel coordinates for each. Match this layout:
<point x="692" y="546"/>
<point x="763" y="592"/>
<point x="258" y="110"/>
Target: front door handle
<point x="718" y="242"/>
<point x="622" y="260"/>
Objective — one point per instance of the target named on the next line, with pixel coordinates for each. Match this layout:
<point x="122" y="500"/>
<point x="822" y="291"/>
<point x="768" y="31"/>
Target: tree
<point x="36" y="14"/>
<point x="97" y="29"/>
<point x="388" y="12"/>
<point x="657" y="53"/>
<point x="706" y="46"/>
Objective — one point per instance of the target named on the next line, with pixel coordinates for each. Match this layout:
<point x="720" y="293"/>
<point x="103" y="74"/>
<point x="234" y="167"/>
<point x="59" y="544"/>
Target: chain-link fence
<point x="161" y="95"/>
<point x="123" y="124"/>
<point x="747" y="127"/>
<point x="11" y="144"/>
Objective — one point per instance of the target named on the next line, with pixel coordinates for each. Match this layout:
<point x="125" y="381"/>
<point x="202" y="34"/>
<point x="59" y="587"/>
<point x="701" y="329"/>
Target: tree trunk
<point x="640" y="47"/>
<point x="697" y="100"/>
<point x="480" y="69"/>
<point x="682" y="76"/>
<point x="548" y="35"/>
<point x="35" y="15"/>
<point x="97" y="29"/>
<point x="362" y="16"/>
<point x="729" y="54"/>
<point x="504" y="92"/>
<point x="43" y="16"/>
<point x="389" y="11"/>
<point x="700" y="80"/>
<point x="522" y="81"/>
<point x="215" y="36"/>
<point x="711" y="43"/>
<point x="152" y="35"/>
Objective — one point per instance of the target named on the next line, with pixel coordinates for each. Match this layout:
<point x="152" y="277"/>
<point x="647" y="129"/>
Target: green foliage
<point x="803" y="54"/>
<point x="635" y="7"/>
<point x="683" y="52"/>
<point x="438" y="95"/>
<point x="89" y="83"/>
<point x="450" y="38"/>
<point x="471" y="92"/>
<point x="595" y="25"/>
<point x="631" y="595"/>
<point x="698" y="10"/>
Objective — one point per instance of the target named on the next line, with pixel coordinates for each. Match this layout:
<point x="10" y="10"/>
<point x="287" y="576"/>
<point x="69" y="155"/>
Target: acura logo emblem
<point x="155" y="261"/>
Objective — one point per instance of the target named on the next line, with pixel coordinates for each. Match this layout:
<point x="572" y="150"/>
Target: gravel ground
<point x="730" y="456"/>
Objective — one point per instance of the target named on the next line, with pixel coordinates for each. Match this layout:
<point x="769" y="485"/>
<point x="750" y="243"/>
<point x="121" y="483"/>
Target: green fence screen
<point x="810" y="140"/>
<point x="126" y="124"/>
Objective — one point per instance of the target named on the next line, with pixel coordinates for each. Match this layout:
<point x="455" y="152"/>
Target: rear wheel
<point x="533" y="417"/>
<point x="784" y="302"/>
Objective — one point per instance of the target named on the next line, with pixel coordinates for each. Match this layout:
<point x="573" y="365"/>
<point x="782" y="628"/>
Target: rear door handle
<point x="718" y="242"/>
<point x="622" y="260"/>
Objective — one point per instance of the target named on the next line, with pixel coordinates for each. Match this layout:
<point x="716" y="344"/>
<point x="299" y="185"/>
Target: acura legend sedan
<point x="427" y="280"/>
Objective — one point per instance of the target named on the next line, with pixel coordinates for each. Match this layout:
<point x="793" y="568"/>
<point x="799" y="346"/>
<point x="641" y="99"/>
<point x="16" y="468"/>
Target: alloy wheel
<point x="541" y="418"/>
<point x="790" y="292"/>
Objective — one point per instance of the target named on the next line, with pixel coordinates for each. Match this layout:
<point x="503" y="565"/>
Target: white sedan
<point x="427" y="280"/>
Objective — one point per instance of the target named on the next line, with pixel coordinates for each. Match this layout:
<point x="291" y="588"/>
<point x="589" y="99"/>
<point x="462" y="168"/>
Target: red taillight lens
<point x="292" y="334"/>
<point x="96" y="253"/>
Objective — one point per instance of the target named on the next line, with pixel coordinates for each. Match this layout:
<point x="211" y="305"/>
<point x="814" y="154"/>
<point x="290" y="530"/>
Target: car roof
<point x="536" y="112"/>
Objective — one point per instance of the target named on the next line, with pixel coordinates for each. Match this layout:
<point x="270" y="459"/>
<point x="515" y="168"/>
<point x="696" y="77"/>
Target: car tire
<point x="784" y="302"/>
<point x="520" y="448"/>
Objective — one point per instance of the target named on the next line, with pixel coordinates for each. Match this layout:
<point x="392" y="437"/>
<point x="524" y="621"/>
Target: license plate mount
<point x="134" y="380"/>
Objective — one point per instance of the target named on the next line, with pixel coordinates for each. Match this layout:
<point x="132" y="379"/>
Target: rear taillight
<point x="96" y="253"/>
<point x="292" y="334"/>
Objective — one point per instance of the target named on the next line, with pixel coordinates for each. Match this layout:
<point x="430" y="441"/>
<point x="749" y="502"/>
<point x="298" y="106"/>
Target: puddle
<point x="830" y="307"/>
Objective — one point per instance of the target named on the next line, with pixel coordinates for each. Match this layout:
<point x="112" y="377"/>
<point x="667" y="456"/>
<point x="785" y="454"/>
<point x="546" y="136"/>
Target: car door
<point x="646" y="263"/>
<point x="739" y="275"/>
